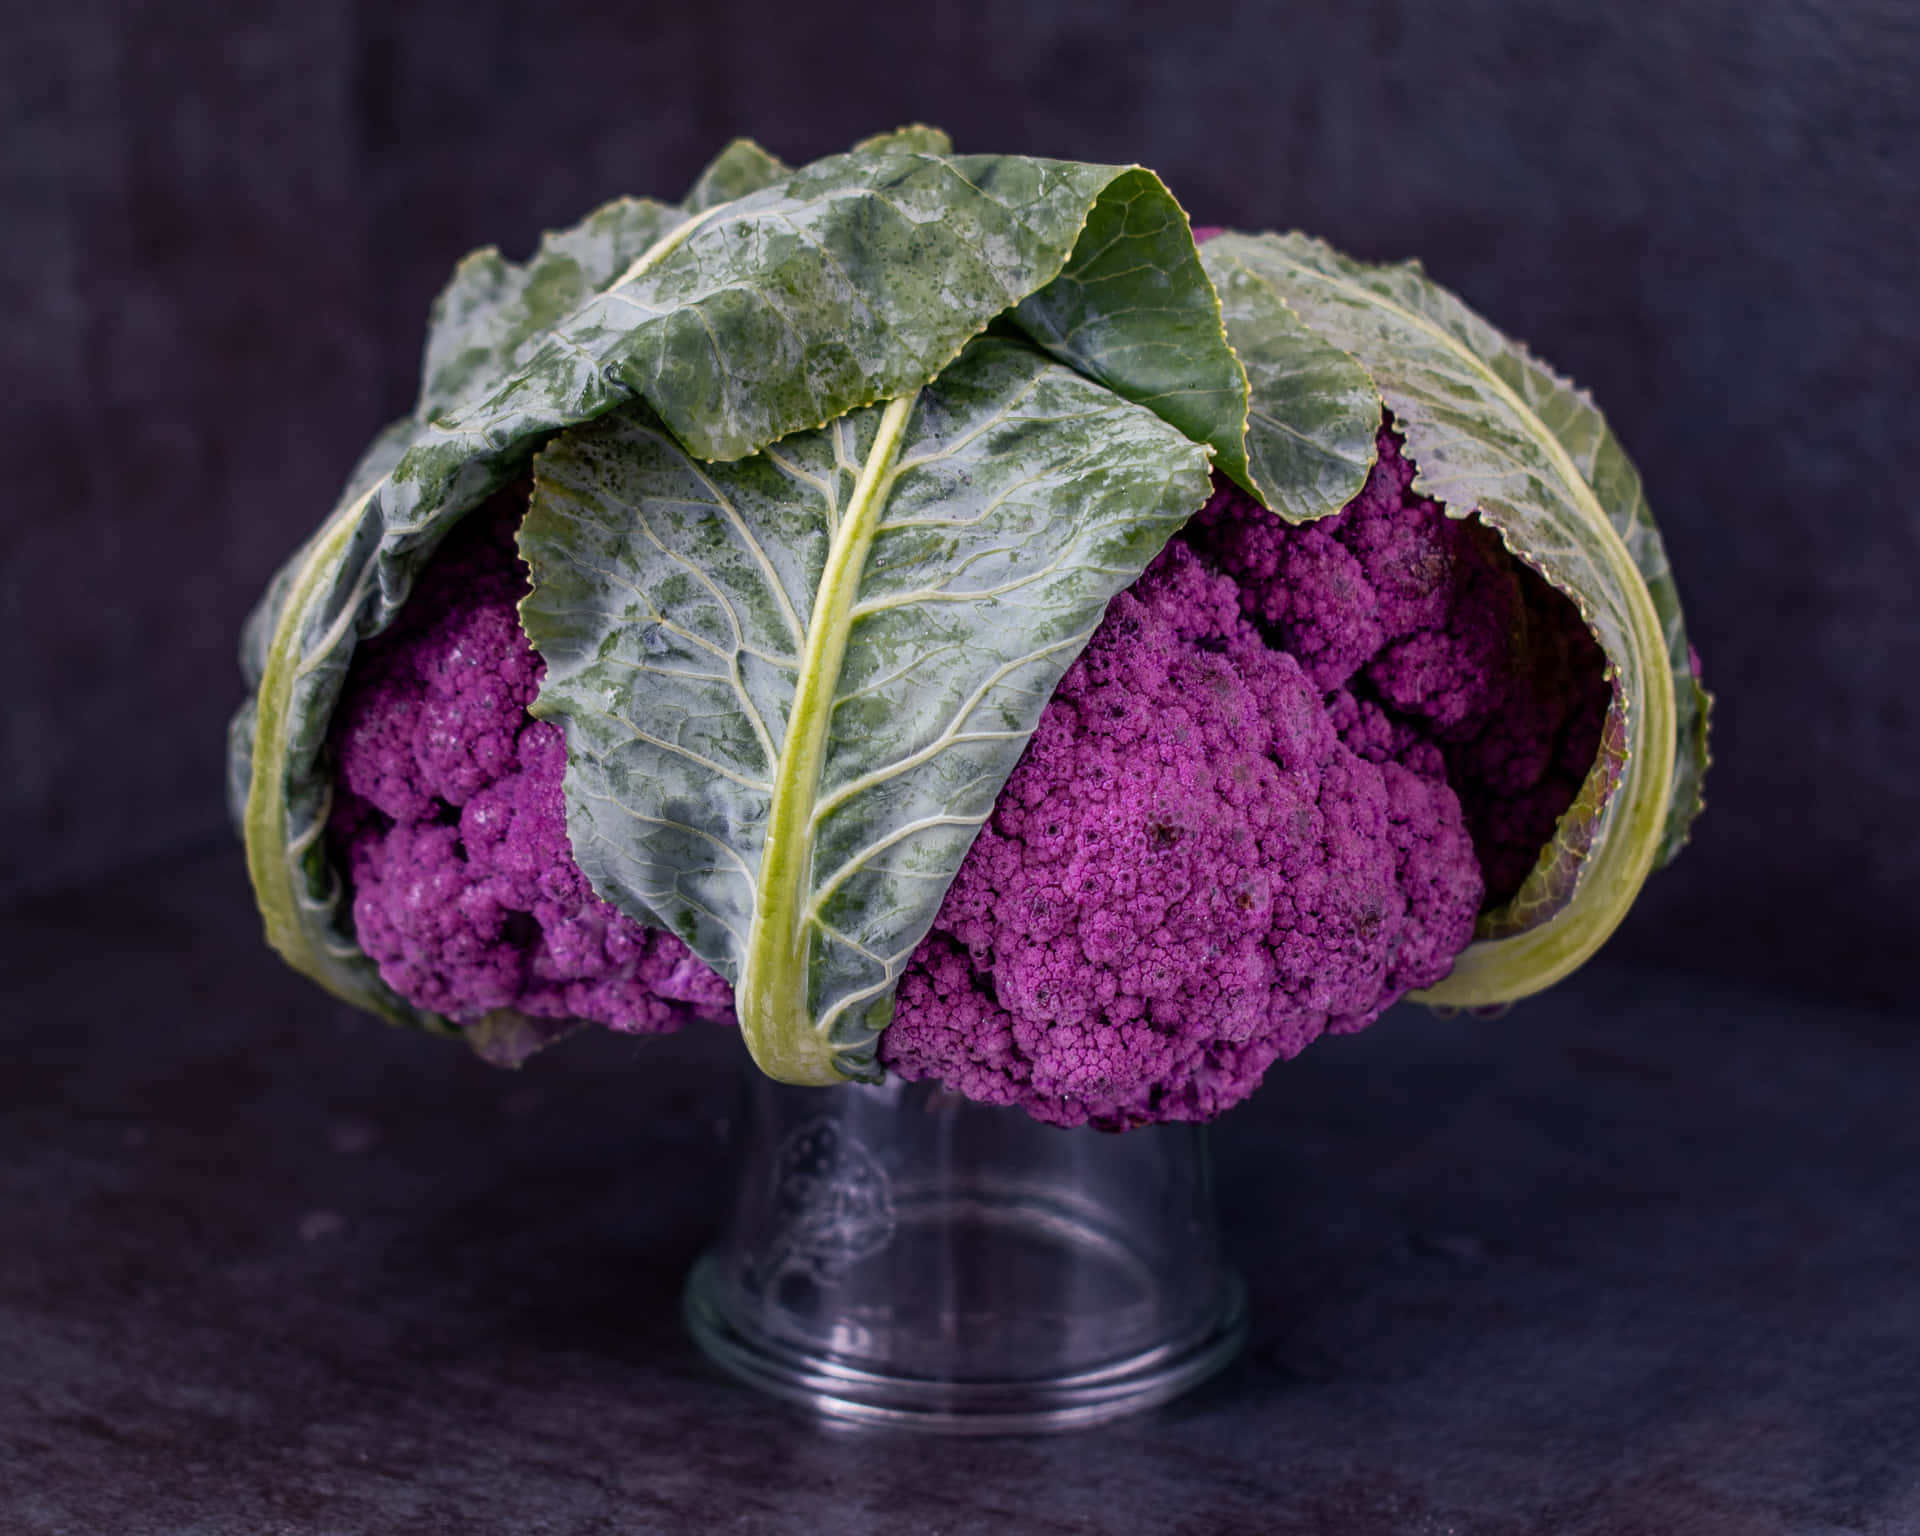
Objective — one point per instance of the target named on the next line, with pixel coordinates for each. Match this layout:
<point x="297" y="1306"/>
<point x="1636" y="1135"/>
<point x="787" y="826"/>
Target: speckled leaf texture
<point x="493" y="315"/>
<point x="742" y="167"/>
<point x="861" y="276"/>
<point x="812" y="293"/>
<point x="728" y="674"/>
<point x="1492" y="430"/>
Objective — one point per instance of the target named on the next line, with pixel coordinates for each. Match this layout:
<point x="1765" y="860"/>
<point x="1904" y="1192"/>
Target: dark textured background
<point x="1640" y="1261"/>
<point x="224" y="222"/>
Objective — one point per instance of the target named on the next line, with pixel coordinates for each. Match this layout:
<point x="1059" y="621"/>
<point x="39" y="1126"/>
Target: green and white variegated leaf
<point x="793" y="685"/>
<point x="493" y="314"/>
<point x="861" y="276"/>
<point x="1312" y="414"/>
<point x="1471" y="406"/>
<point x="742" y="167"/>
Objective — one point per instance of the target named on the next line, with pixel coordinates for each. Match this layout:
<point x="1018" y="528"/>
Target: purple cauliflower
<point x="1270" y="798"/>
<point x="449" y="822"/>
<point x="1420" y="626"/>
<point x="1188" y="875"/>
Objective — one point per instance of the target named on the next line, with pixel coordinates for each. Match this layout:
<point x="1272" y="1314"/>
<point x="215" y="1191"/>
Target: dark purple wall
<point x="223" y="224"/>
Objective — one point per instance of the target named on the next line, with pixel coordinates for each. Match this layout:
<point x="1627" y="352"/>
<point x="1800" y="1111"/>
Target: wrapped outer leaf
<point x="851" y="280"/>
<point x="794" y="685"/>
<point x="1134" y="309"/>
<point x="1491" y="429"/>
<point x="1312" y="410"/>
<point x="351" y="577"/>
<point x="1570" y="414"/>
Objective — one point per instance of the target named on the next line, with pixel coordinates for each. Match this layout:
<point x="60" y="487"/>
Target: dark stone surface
<point x="1642" y="1258"/>
<point x="224" y="223"/>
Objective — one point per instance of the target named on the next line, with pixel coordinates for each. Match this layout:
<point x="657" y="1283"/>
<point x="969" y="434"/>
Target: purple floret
<point x="1188" y="876"/>
<point x="1434" y="633"/>
<point x="1257" y="810"/>
<point x="449" y="821"/>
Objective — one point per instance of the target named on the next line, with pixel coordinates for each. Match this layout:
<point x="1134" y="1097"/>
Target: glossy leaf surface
<point x="1312" y="410"/>
<point x="793" y="685"/>
<point x="861" y="276"/>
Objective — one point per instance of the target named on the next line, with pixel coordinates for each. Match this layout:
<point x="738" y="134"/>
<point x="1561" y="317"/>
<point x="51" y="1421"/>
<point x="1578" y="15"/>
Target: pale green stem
<point x="771" y="997"/>
<point x="662" y="248"/>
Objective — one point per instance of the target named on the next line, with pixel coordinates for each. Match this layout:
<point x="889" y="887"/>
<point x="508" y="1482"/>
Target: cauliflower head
<point x="1268" y="799"/>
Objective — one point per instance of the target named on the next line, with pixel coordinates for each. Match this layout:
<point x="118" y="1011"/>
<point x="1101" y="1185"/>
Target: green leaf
<point x="375" y="464"/>
<point x="495" y="385"/>
<point x="1313" y="412"/>
<point x="492" y="314"/>
<point x="861" y="276"/>
<point x="916" y="138"/>
<point x="1569" y="413"/>
<point x="793" y="685"/>
<point x="1493" y="430"/>
<point x="1134" y="309"/>
<point x="742" y="167"/>
<point x="302" y="637"/>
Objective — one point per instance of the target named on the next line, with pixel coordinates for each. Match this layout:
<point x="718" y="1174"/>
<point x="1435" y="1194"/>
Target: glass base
<point x="847" y="1394"/>
<point x="897" y="1257"/>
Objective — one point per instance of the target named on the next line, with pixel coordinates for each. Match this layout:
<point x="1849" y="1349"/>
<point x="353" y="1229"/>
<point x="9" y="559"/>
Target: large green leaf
<point x="1485" y="424"/>
<point x="1569" y="413"/>
<point x="1133" y="308"/>
<point x="861" y="276"/>
<point x="794" y="684"/>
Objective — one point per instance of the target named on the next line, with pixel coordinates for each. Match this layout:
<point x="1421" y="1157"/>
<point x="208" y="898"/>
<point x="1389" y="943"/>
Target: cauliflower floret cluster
<point x="1418" y="626"/>
<point x="1188" y="875"/>
<point x="449" y="822"/>
<point x="1258" y="809"/>
<point x="1269" y="798"/>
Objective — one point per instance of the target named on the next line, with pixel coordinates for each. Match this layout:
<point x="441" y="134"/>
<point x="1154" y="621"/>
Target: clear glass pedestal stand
<point x="897" y="1255"/>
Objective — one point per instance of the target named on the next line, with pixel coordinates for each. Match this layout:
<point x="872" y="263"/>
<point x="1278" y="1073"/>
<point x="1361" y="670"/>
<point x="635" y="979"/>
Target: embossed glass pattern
<point x="897" y="1254"/>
